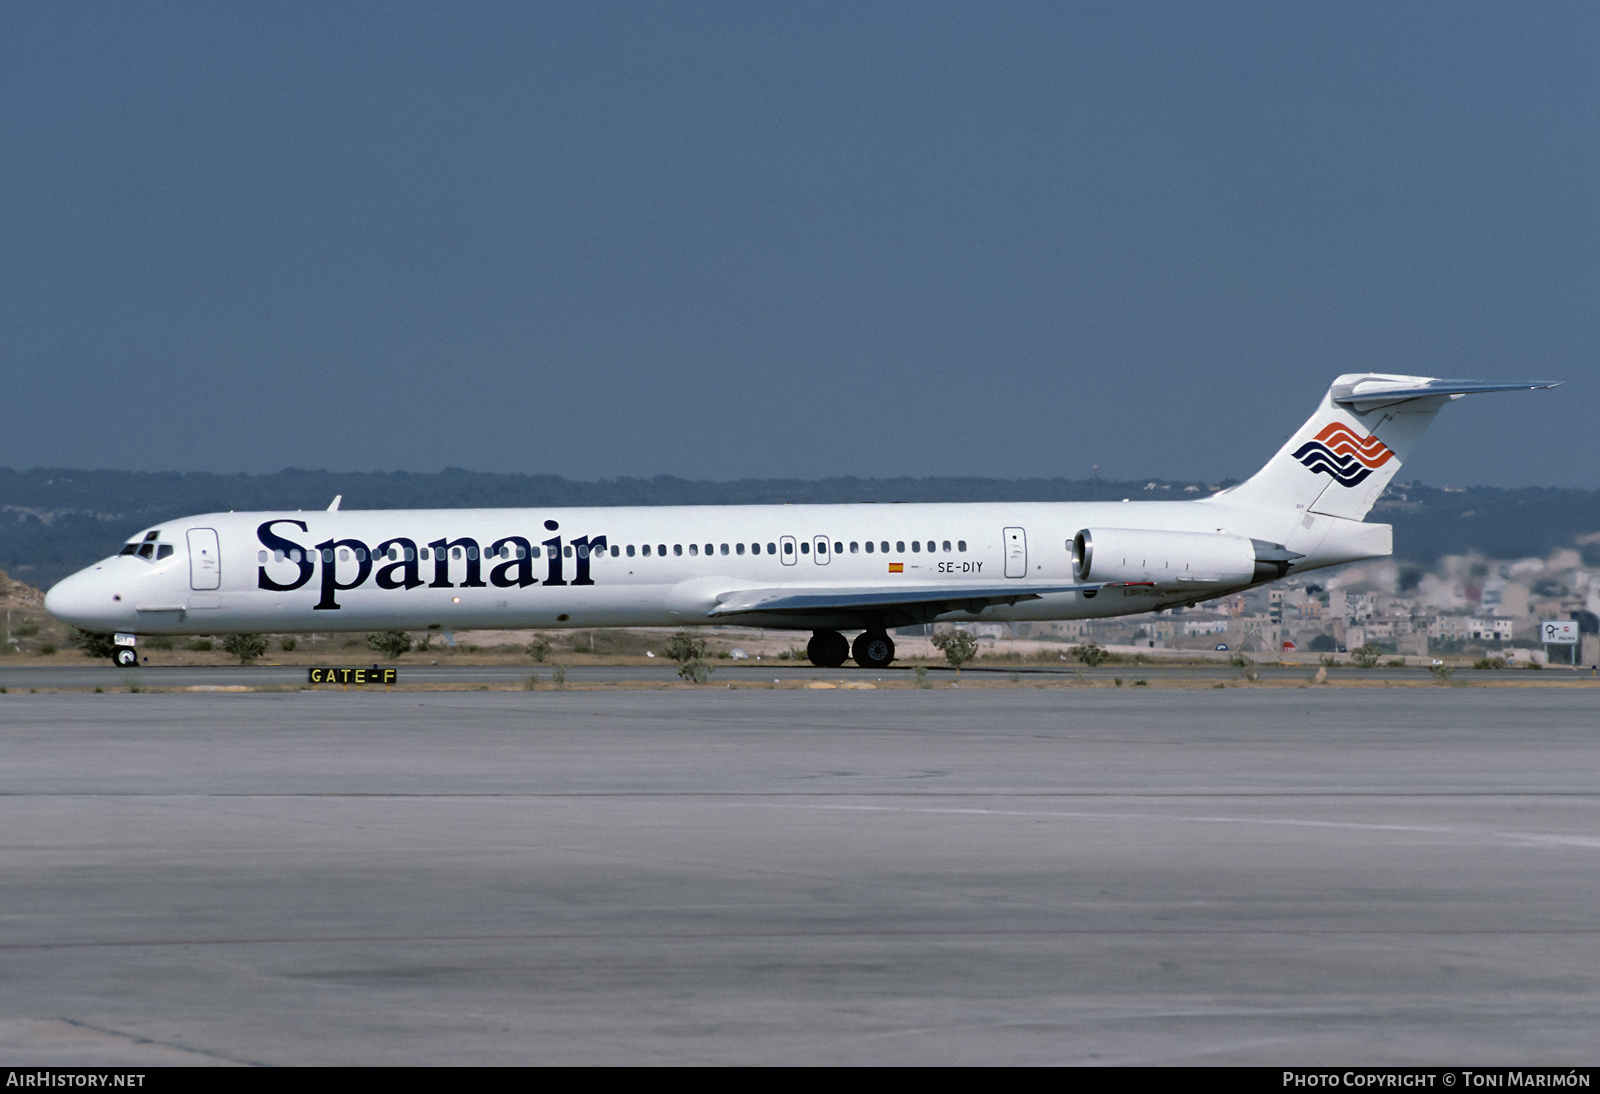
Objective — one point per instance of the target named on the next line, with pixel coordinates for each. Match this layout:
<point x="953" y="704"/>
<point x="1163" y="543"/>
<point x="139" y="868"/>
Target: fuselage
<point x="364" y="570"/>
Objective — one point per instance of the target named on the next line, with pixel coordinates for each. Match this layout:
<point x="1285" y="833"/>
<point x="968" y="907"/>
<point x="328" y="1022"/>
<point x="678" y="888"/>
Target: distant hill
<point x="53" y="521"/>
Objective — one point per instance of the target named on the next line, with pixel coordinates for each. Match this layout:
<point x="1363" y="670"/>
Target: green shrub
<point x="1366" y="656"/>
<point x="94" y="644"/>
<point x="1489" y="663"/>
<point x="287" y="643"/>
<point x="246" y="647"/>
<point x="922" y="677"/>
<point x="959" y="647"/>
<point x="199" y="645"/>
<point x="695" y="670"/>
<point x="390" y="643"/>
<point x="47" y="649"/>
<point x="539" y="648"/>
<point x="162" y="642"/>
<point x="684" y="647"/>
<point x="1089" y="653"/>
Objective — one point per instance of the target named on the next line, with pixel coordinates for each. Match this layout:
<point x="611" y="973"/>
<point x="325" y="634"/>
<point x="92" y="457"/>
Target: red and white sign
<point x="1559" y="632"/>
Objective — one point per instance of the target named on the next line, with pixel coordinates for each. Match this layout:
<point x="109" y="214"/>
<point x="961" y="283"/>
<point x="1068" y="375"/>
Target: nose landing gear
<point x="126" y="657"/>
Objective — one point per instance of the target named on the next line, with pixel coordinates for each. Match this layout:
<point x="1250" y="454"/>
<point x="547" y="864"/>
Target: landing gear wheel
<point x="827" y="649"/>
<point x="873" y="651"/>
<point x="125" y="658"/>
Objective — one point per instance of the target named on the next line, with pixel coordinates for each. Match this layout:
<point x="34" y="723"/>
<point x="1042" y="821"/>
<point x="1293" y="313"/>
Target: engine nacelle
<point x="1169" y="558"/>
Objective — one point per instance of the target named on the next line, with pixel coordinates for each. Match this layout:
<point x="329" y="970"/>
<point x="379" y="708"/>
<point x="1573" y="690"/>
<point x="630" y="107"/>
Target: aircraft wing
<point x="855" y="598"/>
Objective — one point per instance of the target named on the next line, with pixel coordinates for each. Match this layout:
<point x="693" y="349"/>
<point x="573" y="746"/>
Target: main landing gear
<point x="829" y="649"/>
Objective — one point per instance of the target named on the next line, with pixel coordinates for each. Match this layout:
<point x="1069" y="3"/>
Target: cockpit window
<point x="151" y="537"/>
<point x="147" y="550"/>
<point x="164" y="551"/>
<point x="129" y="549"/>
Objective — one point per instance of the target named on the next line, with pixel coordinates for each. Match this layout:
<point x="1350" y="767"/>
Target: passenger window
<point x="788" y="548"/>
<point x="869" y="546"/>
<point x="854" y="547"/>
<point x="646" y="550"/>
<point x="261" y="556"/>
<point x="630" y="550"/>
<point x="899" y="546"/>
<point x="838" y="548"/>
<point x="694" y="548"/>
<point x="961" y="545"/>
<point x="615" y="551"/>
<point x="772" y="548"/>
<point x="533" y="552"/>
<point x="344" y="554"/>
<point x="566" y="552"/>
<point x="724" y="548"/>
<point x="677" y="548"/>
<point x="916" y="545"/>
<point x="661" y="549"/>
<point x="711" y="549"/>
<point x="932" y="547"/>
<point x="738" y="548"/>
<point x="805" y="548"/>
<point x="946" y="546"/>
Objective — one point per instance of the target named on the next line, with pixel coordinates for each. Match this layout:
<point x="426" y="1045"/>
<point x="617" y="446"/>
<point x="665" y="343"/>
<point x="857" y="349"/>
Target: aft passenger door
<point x="205" y="561"/>
<point x="1016" y="543"/>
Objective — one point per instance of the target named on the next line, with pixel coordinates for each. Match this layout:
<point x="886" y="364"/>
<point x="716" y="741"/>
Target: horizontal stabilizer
<point x="858" y="598"/>
<point x="1369" y="393"/>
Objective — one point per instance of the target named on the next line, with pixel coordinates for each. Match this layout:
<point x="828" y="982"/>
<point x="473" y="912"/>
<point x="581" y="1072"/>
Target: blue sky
<point x="750" y="240"/>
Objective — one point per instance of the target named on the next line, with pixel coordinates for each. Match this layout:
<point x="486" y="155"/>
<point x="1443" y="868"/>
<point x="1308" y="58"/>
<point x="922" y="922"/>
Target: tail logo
<point x="1341" y="455"/>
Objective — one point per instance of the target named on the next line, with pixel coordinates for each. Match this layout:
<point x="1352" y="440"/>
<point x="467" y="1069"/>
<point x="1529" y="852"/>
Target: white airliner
<point x="820" y="568"/>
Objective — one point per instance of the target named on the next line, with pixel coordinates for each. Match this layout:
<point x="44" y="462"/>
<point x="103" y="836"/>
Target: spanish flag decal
<point x="897" y="567"/>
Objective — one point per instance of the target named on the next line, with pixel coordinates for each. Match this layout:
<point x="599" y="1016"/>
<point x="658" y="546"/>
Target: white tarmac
<point x="1406" y="876"/>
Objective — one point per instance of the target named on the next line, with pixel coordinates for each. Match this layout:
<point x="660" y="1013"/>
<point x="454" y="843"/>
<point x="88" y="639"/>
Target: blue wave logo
<point x="1344" y="470"/>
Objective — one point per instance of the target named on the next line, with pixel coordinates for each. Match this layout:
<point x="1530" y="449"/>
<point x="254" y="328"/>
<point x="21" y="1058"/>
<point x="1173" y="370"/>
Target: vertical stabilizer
<point x="1350" y="449"/>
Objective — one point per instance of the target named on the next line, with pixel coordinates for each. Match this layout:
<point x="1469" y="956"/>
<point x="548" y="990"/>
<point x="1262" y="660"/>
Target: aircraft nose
<point x="79" y="599"/>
